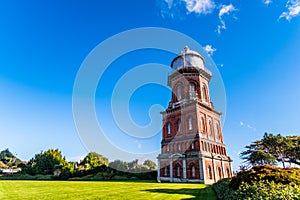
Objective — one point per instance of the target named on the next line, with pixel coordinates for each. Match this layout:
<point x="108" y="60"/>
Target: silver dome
<point x="188" y="58"/>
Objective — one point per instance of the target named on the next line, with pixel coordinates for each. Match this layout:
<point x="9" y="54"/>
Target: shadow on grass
<point x="202" y="193"/>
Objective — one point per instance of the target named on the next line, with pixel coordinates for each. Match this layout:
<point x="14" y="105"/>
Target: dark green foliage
<point x="262" y="190"/>
<point x="261" y="182"/>
<point x="47" y="162"/>
<point x="94" y="166"/>
<point x="267" y="173"/>
<point x="272" y="149"/>
<point x="222" y="188"/>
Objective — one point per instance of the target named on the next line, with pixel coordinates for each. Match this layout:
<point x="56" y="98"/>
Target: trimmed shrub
<point x="261" y="182"/>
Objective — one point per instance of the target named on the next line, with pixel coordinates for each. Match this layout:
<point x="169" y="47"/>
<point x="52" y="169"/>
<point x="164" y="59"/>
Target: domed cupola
<point x="188" y="58"/>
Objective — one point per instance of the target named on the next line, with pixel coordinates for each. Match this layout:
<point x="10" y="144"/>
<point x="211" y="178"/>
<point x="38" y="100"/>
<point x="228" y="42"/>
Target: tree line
<point x="52" y="162"/>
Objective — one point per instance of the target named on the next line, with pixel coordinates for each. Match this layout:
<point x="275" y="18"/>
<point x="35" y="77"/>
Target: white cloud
<point x="293" y="7"/>
<point x="181" y="8"/>
<point x="247" y="126"/>
<point x="251" y="127"/>
<point x="209" y="49"/>
<point x="267" y="2"/>
<point x="200" y="6"/>
<point x="224" y="9"/>
<point x="170" y="3"/>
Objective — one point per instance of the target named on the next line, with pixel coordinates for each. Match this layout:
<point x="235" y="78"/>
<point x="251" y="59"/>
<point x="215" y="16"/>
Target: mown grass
<point x="40" y="190"/>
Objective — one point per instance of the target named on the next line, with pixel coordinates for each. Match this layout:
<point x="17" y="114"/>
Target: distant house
<point x="9" y="171"/>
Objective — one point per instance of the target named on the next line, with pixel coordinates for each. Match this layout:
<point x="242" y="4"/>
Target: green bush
<point x="261" y="182"/>
<point x="267" y="173"/>
<point x="262" y="190"/>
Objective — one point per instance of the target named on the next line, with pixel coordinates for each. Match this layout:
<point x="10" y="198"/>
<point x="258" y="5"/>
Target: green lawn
<point x="102" y="190"/>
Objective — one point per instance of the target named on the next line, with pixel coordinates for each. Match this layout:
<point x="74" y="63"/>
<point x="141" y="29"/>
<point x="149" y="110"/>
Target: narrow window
<point x="168" y="148"/>
<point x="178" y="125"/>
<point x="204" y="93"/>
<point x="190" y="123"/>
<point x="220" y="172"/>
<point x="217" y="130"/>
<point x="179" y="147"/>
<point x="228" y="173"/>
<point x="179" y="92"/>
<point x="211" y="128"/>
<point x="193" y="172"/>
<point x="209" y="172"/>
<point x="193" y="146"/>
<point x="165" y="171"/>
<point x="169" y="128"/>
<point x="192" y="90"/>
<point x="178" y="171"/>
<point x="202" y="125"/>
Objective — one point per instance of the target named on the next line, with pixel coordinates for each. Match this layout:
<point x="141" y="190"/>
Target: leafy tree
<point x="133" y="164"/>
<point x="293" y="151"/>
<point x="272" y="148"/>
<point x="150" y="164"/>
<point x="9" y="159"/>
<point x="47" y="162"/>
<point x="93" y="160"/>
<point x="119" y="165"/>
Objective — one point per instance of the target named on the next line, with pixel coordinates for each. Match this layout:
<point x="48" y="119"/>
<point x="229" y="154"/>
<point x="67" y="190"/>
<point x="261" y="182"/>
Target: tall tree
<point x="47" y="162"/>
<point x="93" y="160"/>
<point x="272" y="148"/>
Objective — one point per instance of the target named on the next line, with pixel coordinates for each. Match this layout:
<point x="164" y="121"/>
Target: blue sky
<point x="255" y="45"/>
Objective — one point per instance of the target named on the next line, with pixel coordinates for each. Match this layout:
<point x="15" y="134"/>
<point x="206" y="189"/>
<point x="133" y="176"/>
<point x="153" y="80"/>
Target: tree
<point x="9" y="159"/>
<point x="293" y="151"/>
<point x="93" y="160"/>
<point x="119" y="165"/>
<point x="150" y="164"/>
<point x="272" y="148"/>
<point x="47" y="162"/>
<point x="277" y="146"/>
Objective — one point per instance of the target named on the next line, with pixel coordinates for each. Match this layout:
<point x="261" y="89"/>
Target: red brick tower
<point x="192" y="147"/>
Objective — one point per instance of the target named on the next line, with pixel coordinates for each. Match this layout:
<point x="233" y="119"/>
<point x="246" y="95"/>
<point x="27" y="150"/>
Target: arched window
<point x="192" y="90"/>
<point x="190" y="123"/>
<point x="178" y="170"/>
<point x="179" y="147"/>
<point x="228" y="173"/>
<point x="179" y="125"/>
<point x="193" y="172"/>
<point x="193" y="146"/>
<point x="165" y="171"/>
<point x="204" y="93"/>
<point x="217" y="130"/>
<point x="209" y="172"/>
<point x="220" y="172"/>
<point x="211" y="128"/>
<point x="178" y="92"/>
<point x="169" y="128"/>
<point x="202" y="125"/>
